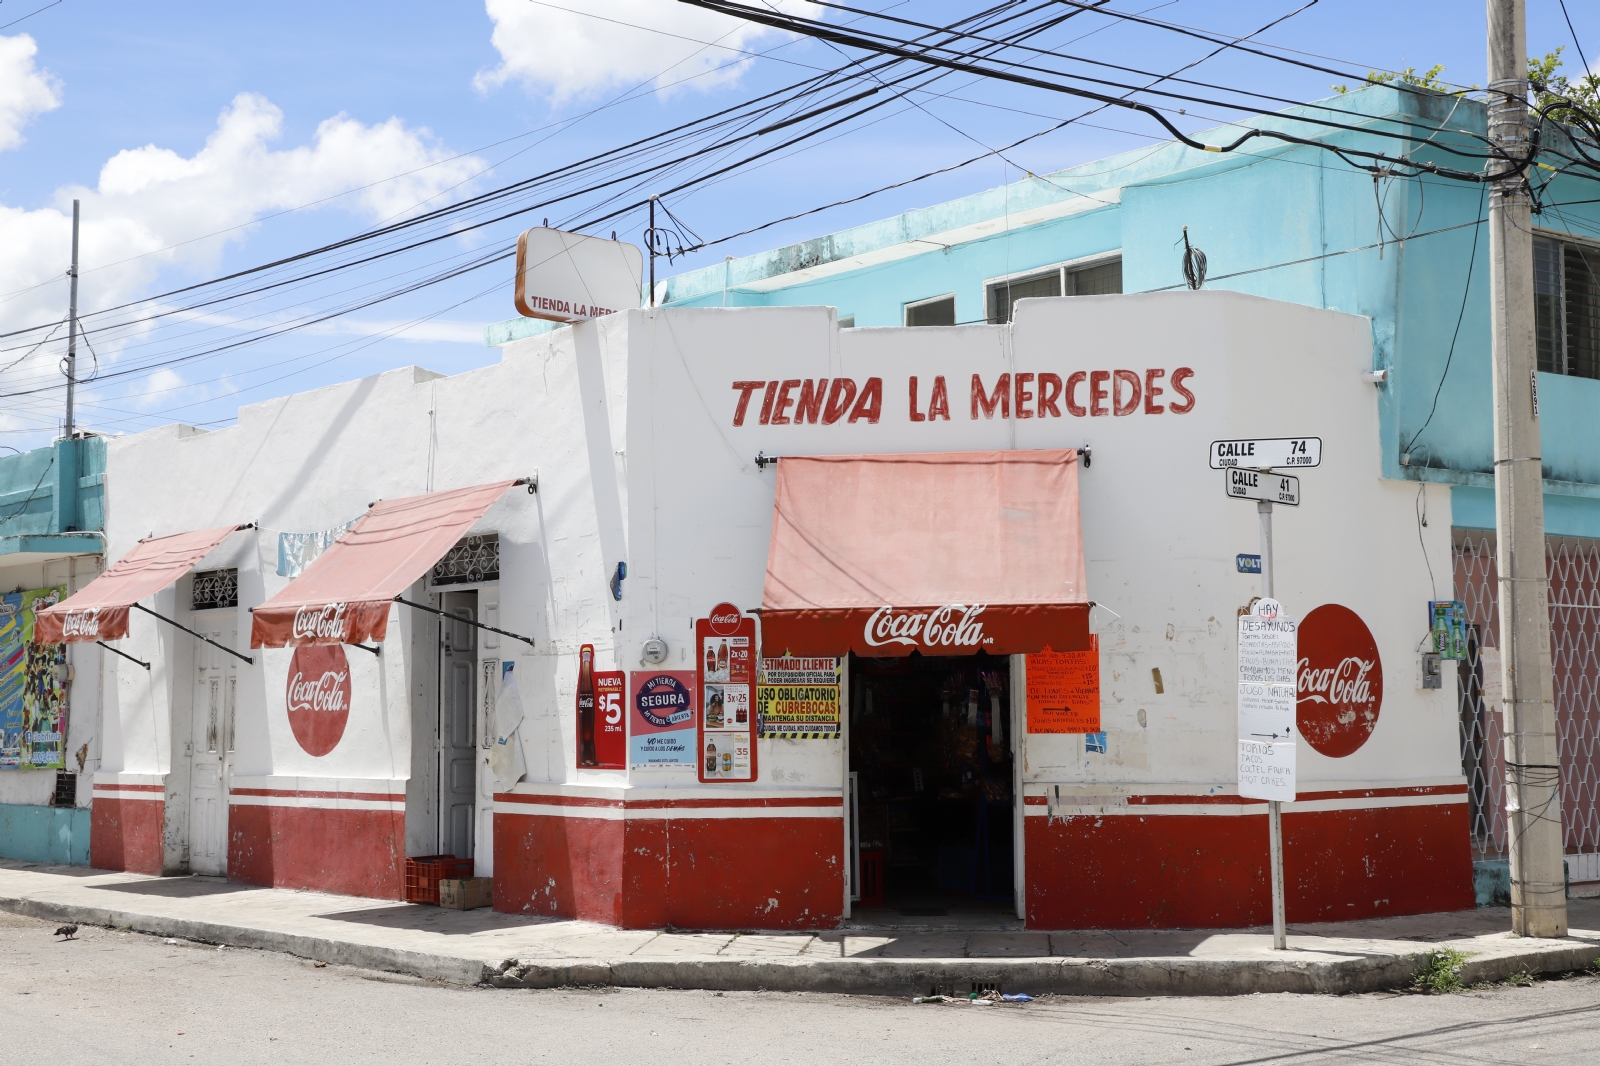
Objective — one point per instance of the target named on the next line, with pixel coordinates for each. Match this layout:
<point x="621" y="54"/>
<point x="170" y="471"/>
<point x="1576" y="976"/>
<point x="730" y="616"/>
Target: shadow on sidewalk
<point x="185" y="887"/>
<point x="419" y="916"/>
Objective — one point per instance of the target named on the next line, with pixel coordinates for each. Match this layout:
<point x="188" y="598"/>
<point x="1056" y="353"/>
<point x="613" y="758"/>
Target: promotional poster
<point x="33" y="696"/>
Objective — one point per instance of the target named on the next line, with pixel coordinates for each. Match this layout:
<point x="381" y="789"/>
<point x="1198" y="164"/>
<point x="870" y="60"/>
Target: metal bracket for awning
<point x="376" y="649"/>
<point x="1085" y="453"/>
<point x="192" y="633"/>
<point x="464" y="621"/>
<point x="763" y="460"/>
<point x="124" y="654"/>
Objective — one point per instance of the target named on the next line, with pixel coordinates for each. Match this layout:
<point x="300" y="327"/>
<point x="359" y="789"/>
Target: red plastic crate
<point x="424" y="872"/>
<point x="871" y="867"/>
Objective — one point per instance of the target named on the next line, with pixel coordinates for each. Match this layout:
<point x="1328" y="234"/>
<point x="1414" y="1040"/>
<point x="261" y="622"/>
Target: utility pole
<point x="651" y="234"/>
<point x="1533" y="772"/>
<point x="72" y="321"/>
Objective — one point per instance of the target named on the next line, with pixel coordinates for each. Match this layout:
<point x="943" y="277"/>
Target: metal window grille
<point x="1100" y="278"/>
<point x="472" y="560"/>
<point x="1566" y="307"/>
<point x="1574" y="582"/>
<point x="214" y="589"/>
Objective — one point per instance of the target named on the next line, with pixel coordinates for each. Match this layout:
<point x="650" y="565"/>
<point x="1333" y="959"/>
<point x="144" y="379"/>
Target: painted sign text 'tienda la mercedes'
<point x="1079" y="394"/>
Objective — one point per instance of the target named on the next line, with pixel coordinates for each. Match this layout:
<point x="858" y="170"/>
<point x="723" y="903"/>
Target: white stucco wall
<point x="628" y="424"/>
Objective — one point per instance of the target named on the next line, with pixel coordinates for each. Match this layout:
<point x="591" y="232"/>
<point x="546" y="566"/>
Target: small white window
<point x="939" y="311"/>
<point x="1097" y="277"/>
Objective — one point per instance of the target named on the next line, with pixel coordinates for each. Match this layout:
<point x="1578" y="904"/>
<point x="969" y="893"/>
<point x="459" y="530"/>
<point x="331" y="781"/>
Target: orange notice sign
<point x="1064" y="691"/>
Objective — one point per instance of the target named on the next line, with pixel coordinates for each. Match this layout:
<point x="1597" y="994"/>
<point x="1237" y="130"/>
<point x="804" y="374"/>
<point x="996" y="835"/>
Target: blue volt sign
<point x="1248" y="564"/>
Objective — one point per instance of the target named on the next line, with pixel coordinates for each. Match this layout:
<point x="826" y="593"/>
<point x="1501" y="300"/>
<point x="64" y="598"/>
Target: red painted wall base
<point x="682" y="872"/>
<point x="1211" y="871"/>
<point x="350" y="852"/>
<point x="125" y="834"/>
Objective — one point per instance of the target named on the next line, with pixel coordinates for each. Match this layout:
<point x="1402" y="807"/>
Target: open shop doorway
<point x="931" y="760"/>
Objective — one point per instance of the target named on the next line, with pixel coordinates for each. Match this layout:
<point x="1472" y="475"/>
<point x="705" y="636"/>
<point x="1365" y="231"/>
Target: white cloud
<point x="153" y="209"/>
<point x="617" y="43"/>
<point x="25" y="91"/>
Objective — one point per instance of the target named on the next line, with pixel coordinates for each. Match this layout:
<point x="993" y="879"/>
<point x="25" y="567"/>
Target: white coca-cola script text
<point x="318" y="623"/>
<point x="83" y="623"/>
<point x="325" y="693"/>
<point x="1345" y="685"/>
<point x="950" y="626"/>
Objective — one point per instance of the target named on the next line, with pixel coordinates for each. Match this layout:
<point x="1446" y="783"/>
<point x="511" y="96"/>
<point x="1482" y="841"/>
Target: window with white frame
<point x="939" y="311"/>
<point x="1566" y="306"/>
<point x="1097" y="278"/>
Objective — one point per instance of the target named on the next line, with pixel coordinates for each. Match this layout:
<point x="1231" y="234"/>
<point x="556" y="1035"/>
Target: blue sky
<point x="197" y="134"/>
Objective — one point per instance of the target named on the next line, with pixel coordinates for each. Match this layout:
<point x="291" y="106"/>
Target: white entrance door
<point x="216" y="686"/>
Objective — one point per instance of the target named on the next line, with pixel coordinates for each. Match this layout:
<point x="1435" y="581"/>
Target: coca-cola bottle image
<point x="722" y="656"/>
<point x="711" y="660"/>
<point x="586" y="753"/>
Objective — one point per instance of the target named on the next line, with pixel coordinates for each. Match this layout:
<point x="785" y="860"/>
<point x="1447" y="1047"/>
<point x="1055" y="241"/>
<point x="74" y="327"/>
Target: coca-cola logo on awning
<point x="1339" y="681"/>
<point x="318" y="696"/>
<point x="81" y="623"/>
<point x="318" y="622"/>
<point x="951" y="626"/>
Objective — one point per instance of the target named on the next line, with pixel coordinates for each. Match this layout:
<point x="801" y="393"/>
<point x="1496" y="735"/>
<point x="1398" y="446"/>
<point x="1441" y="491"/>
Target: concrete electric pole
<point x="72" y="322"/>
<point x="1533" y="773"/>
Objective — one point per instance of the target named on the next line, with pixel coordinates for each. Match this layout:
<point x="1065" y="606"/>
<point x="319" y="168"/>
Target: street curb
<point x="880" y="977"/>
<point x="1062" y="976"/>
<point x="318" y="949"/>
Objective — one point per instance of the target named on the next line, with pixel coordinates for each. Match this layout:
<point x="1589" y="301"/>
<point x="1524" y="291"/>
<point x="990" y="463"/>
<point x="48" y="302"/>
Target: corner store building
<point x="631" y="425"/>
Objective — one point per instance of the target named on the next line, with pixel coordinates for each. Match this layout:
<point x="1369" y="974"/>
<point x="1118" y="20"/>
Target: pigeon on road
<point x="68" y="932"/>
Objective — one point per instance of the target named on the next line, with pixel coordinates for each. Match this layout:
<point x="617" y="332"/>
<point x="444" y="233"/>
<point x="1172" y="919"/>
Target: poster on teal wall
<point x="33" y="697"/>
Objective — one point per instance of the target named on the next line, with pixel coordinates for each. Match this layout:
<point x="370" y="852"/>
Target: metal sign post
<point x="1280" y="918"/>
<point x="1267" y="644"/>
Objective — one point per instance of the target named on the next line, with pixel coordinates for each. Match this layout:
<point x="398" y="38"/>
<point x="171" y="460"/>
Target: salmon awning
<point x="946" y="553"/>
<point x="343" y="597"/>
<point x="99" y="610"/>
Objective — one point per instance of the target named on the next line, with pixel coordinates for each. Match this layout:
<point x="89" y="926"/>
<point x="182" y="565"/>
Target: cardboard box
<point x="466" y="893"/>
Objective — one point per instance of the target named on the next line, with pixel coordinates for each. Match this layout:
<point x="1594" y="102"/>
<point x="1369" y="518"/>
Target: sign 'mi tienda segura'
<point x="1267" y="659"/>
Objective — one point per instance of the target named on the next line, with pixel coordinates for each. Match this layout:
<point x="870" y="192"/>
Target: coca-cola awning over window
<point x="343" y="597"/>
<point x="99" y="610"/>
<point x="945" y="553"/>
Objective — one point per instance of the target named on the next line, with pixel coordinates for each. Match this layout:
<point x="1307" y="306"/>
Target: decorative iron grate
<point x="1573" y="566"/>
<point x="473" y="559"/>
<point x="215" y="589"/>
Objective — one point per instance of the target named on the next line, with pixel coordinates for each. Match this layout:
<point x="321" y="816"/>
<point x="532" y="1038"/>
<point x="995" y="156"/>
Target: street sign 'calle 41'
<point x="1245" y="484"/>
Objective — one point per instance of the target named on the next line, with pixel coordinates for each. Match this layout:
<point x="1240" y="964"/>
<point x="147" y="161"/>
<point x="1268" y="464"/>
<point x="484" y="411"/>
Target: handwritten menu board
<point x="1064" y="691"/>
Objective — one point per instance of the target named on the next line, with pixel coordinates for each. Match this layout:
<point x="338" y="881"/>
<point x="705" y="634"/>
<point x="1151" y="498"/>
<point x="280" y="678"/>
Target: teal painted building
<point x="52" y="509"/>
<point x="1298" y="223"/>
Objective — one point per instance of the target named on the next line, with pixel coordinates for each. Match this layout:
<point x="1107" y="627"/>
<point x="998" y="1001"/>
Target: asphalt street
<point x="121" y="997"/>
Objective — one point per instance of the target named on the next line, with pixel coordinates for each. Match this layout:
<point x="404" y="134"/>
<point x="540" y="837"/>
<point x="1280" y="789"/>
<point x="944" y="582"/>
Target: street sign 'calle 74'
<point x="1245" y="484"/>
<point x="1265" y="454"/>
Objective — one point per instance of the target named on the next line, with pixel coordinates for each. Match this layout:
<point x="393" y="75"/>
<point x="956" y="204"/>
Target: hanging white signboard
<point x="570" y="277"/>
<point x="1267" y="657"/>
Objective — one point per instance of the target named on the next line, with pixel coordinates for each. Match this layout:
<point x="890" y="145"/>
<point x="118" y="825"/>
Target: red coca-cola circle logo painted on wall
<point x="318" y="696"/>
<point x="1339" y="681"/>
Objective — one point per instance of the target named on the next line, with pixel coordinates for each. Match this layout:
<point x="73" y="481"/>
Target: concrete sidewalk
<point x="485" y="947"/>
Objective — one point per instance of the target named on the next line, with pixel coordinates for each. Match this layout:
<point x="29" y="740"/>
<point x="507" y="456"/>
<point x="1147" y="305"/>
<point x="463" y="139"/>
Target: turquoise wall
<point x="54" y="490"/>
<point x="1286" y="222"/>
<point x="44" y="834"/>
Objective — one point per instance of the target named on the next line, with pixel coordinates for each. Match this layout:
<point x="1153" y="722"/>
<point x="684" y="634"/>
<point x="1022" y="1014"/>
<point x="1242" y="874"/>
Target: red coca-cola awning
<point x="343" y="597"/>
<point x="99" y="610"/>
<point x="947" y="554"/>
